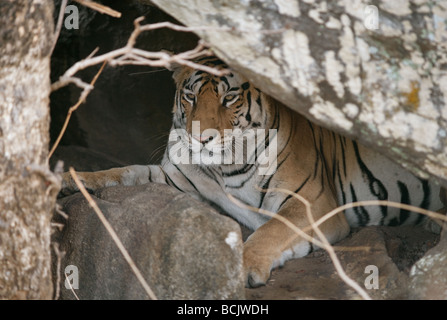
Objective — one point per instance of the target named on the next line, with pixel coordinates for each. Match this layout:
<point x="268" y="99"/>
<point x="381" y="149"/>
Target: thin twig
<point x="301" y="232"/>
<point x="176" y="27"/>
<point x="131" y="55"/>
<point x="59" y="226"/>
<point x="128" y="54"/>
<point x="59" y="256"/>
<point x="431" y="214"/>
<point x="73" y="108"/>
<point x="113" y="234"/>
<point x="58" y="210"/>
<point x="286" y="221"/>
<point x="59" y="25"/>
<point x="71" y="287"/>
<point x="100" y="8"/>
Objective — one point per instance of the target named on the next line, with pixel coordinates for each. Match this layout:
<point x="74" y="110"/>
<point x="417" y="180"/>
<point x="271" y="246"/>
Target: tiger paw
<point x="255" y="277"/>
<point x="257" y="269"/>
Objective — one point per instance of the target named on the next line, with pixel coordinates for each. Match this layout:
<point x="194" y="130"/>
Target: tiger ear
<point x="173" y="66"/>
<point x="178" y="70"/>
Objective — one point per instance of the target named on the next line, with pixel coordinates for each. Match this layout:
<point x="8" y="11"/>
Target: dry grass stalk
<point x="71" y="287"/>
<point x="100" y="8"/>
<point x="59" y="24"/>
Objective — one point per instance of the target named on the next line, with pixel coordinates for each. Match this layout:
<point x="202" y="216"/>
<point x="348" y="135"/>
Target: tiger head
<point x="214" y="115"/>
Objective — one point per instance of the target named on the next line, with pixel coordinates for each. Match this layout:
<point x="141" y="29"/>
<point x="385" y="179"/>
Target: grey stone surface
<point x="428" y="277"/>
<point x="184" y="249"/>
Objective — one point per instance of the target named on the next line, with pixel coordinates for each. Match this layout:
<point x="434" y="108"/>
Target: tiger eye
<point x="189" y="96"/>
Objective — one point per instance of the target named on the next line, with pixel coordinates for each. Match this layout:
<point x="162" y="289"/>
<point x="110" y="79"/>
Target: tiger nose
<point x="203" y="139"/>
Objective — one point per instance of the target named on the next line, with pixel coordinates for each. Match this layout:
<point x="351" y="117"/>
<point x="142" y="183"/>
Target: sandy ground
<point x="392" y="249"/>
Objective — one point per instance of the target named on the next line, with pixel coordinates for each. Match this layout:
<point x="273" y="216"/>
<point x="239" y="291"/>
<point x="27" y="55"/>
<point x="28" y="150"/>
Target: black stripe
<point x="207" y="171"/>
<point x="296" y="191"/>
<point x="360" y="212"/>
<point x="376" y="187"/>
<point x="276" y="120"/>
<point x="324" y="168"/>
<point x="224" y="79"/>
<point x="195" y="81"/>
<point x="190" y="182"/>
<point x="203" y="85"/>
<point x="248" y="115"/>
<point x="172" y="183"/>
<point x="210" y="61"/>
<point x="426" y="200"/>
<point x="242" y="170"/>
<point x="317" y="154"/>
<point x="245" y="85"/>
<point x="244" y="181"/>
<point x="405" y="199"/>
<point x="334" y="157"/>
<point x="343" y="195"/>
<point x="266" y="184"/>
<point x="258" y="101"/>
<point x="343" y="156"/>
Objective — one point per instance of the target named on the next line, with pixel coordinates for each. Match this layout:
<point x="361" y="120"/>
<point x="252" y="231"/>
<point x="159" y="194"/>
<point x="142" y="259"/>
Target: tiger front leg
<point x="128" y="176"/>
<point x="274" y="242"/>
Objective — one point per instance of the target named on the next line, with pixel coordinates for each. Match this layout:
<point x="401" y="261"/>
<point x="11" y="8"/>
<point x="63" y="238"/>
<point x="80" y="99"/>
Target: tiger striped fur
<point x="323" y="167"/>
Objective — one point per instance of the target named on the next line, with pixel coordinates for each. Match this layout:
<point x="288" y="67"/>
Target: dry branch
<point x="129" y="55"/>
<point x="100" y="8"/>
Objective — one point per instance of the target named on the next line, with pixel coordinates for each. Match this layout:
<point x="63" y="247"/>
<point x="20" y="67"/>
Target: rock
<point x="391" y="249"/>
<point x="428" y="277"/>
<point x="183" y="248"/>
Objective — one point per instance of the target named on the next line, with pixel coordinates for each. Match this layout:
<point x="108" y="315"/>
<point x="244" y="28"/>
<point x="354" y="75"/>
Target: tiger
<point x="211" y="116"/>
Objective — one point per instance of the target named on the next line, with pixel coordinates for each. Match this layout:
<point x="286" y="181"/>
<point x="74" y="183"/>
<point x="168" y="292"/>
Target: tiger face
<point x="217" y="119"/>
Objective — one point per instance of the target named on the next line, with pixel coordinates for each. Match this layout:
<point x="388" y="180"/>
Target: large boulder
<point x="428" y="277"/>
<point x="183" y="248"/>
